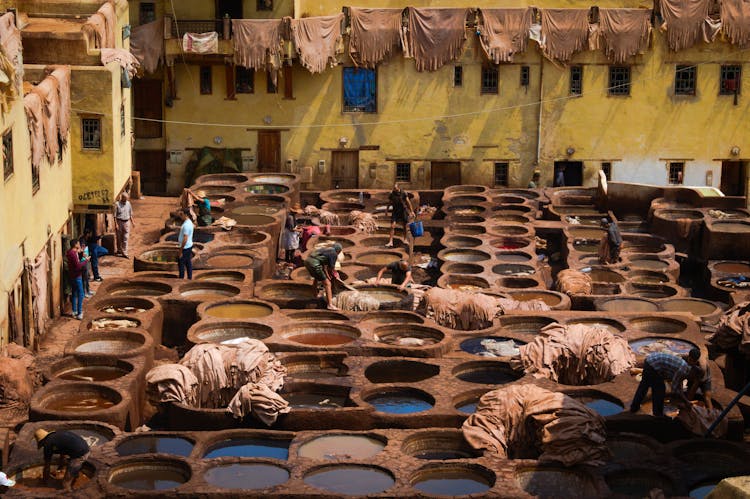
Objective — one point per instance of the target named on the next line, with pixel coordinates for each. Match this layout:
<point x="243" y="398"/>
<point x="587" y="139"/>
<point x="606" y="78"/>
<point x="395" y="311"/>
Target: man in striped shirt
<point x="660" y="366"/>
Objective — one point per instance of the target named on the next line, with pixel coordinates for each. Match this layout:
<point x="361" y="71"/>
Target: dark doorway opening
<point x="445" y="174"/>
<point x="153" y="167"/>
<point x="572" y="172"/>
<point x="231" y="8"/>
<point x="734" y="178"/>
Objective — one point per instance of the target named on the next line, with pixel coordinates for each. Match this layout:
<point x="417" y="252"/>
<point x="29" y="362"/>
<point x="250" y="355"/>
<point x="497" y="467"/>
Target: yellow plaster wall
<point x="642" y="132"/>
<point x="99" y="175"/>
<point x="30" y="220"/>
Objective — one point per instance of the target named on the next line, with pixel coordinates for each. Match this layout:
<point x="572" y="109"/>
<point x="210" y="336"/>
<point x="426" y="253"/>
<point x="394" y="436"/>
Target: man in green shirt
<point x="321" y="265"/>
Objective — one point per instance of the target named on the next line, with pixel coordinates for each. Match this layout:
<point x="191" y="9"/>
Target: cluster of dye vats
<point x="377" y="397"/>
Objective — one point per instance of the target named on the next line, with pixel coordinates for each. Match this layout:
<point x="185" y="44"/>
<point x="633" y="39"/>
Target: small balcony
<point x="176" y="29"/>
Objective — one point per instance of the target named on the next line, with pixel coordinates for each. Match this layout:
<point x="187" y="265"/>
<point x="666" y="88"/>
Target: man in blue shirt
<point x="185" y="239"/>
<point x="659" y="366"/>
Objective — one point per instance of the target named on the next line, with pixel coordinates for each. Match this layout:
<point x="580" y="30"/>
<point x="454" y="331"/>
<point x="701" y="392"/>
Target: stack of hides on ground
<point x="526" y="421"/>
<point x="734" y="329"/>
<point x="363" y="221"/>
<point x="578" y="354"/>
<point x="573" y="282"/>
<point x="469" y="311"/>
<point x="355" y="301"/>
<point x="242" y="376"/>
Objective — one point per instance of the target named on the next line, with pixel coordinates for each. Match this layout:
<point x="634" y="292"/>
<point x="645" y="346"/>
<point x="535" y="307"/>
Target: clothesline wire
<point x="179" y="41"/>
<point x="411" y="120"/>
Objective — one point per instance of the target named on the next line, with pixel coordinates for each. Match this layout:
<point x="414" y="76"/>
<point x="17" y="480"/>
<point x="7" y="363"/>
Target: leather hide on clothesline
<point x="683" y="21"/>
<point x="624" y="33"/>
<point x="735" y="18"/>
<point x="564" y="33"/>
<point x="435" y="36"/>
<point x="147" y="45"/>
<point x="375" y="35"/>
<point x="257" y="43"/>
<point x="504" y="32"/>
<point x="317" y="41"/>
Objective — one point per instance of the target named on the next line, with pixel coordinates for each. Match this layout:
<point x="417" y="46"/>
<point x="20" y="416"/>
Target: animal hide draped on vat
<point x="735" y="19"/>
<point x="577" y="354"/>
<point x="259" y="401"/>
<point x="504" y="32"/>
<point x="435" y="36"/>
<point x="526" y="421"/>
<point x="317" y="40"/>
<point x="734" y="329"/>
<point x="624" y="33"/>
<point x="683" y="21"/>
<point x="147" y="45"/>
<point x="257" y="43"/>
<point x="173" y="383"/>
<point x="375" y="35"/>
<point x="328" y="218"/>
<point x="573" y="282"/>
<point x="564" y="33"/>
<point x="363" y="221"/>
<point x="355" y="301"/>
<point x="698" y="419"/>
<point x="206" y="362"/>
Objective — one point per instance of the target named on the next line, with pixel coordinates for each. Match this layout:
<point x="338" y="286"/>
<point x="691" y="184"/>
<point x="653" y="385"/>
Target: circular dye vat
<point x="638" y="482"/>
<point x="679" y="214"/>
<point x="439" y="445"/>
<point x="549" y="298"/>
<point x="487" y="373"/>
<point x="492" y="346"/>
<point x="321" y="334"/>
<point x="586" y="245"/>
<point x="30" y="481"/>
<point x="732" y="267"/>
<point x="153" y="475"/>
<point x="267" y="189"/>
<point x="92" y="436"/>
<point x="342" y="447"/>
<point x="151" y="444"/>
<point x="628" y="447"/>
<point x="462" y="242"/>
<point x="240" y="310"/>
<point x="225" y="332"/>
<point x="248" y="476"/>
<point x="140" y="288"/>
<point x="609" y="325"/>
<point x="646" y="346"/>
<point x="229" y="261"/>
<point x="94" y="373"/>
<point x="400" y="371"/>
<point x="196" y="292"/>
<point x="316" y="315"/>
<point x="713" y="456"/>
<point x="462" y="268"/>
<point x="447" y="480"/>
<point x="249" y="447"/>
<point x="602" y="406"/>
<point x="464" y="256"/>
<point x="312" y="400"/>
<point x="528" y="325"/>
<point x="408" y="335"/>
<point x="381" y="258"/>
<point x="649" y="264"/>
<point x="400" y="401"/>
<point x="468" y="407"/>
<point x="220" y="277"/>
<point x="695" y="306"/>
<point x="731" y="226"/>
<point x="351" y="480"/>
<point x="604" y="275"/>
<point x="512" y="269"/>
<point x="556" y="482"/>
<point x="108" y="347"/>
<point x="627" y="305"/>
<point x="388" y="317"/>
<point x="382" y="294"/>
<point x="658" y="325"/>
<point x="511" y="257"/>
<point x="701" y="491"/>
<point x="80" y="402"/>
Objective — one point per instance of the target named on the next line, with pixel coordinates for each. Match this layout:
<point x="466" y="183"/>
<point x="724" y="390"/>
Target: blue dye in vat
<point x="148" y="444"/>
<point x="249" y="447"/>
<point x="702" y="491"/>
<point x="246" y="476"/>
<point x="452" y="484"/>
<point x="487" y="376"/>
<point x="469" y="408"/>
<point x="351" y="480"/>
<point x="399" y="404"/>
<point x="603" y="407"/>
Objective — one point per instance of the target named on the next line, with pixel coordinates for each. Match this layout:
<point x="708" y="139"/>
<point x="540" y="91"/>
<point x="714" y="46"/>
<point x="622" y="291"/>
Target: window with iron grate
<point x="244" y="80"/>
<point x="8" y="154"/>
<point x="730" y="77"/>
<point x="403" y="172"/>
<point x="619" y="80"/>
<point x="501" y="174"/>
<point x="676" y="172"/>
<point x="458" y="76"/>
<point x="576" y="80"/>
<point x="91" y="133"/>
<point x="489" y="80"/>
<point x="685" y="77"/>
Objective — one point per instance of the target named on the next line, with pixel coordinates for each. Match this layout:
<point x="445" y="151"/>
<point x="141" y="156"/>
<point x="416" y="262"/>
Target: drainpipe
<point x="726" y="410"/>
<point x="539" y="125"/>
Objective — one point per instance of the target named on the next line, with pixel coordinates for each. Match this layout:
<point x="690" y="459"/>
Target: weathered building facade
<point x="660" y="117"/>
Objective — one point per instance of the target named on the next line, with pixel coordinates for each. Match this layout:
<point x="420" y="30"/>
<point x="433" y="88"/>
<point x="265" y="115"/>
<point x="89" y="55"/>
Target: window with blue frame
<point x="360" y="90"/>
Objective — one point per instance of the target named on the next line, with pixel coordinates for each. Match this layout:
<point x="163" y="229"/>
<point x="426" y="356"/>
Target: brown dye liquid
<point x="229" y="261"/>
<point x="138" y="291"/>
<point x="605" y="276"/>
<point x="107" y="346"/>
<point x="650" y="264"/>
<point x="79" y="403"/>
<point x="93" y="373"/>
<point x="255" y="220"/>
<point x="695" y="307"/>
<point x="464" y="257"/>
<point x="378" y="258"/>
<point x="200" y="295"/>
<point x="239" y="311"/>
<point x="254" y="209"/>
<point x="35" y="485"/>
<point x="732" y="227"/>
<point x="322" y="339"/>
<point x="149" y="479"/>
<point x="383" y="296"/>
<point x="626" y="305"/>
<point x="732" y="268"/>
<point x="512" y="258"/>
<point x="549" y="299"/>
<point x="341" y="447"/>
<point x="464" y="287"/>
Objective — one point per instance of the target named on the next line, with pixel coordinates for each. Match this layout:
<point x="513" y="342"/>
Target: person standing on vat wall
<point x="660" y="366"/>
<point x="185" y="239"/>
<point x="123" y="219"/>
<point x="401" y="211"/>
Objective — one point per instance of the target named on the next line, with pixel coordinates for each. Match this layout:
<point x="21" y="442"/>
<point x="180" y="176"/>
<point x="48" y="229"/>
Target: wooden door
<point x="733" y="178"/>
<point x="153" y="168"/>
<point x="147" y="103"/>
<point x="345" y="169"/>
<point x="445" y="174"/>
<point x="269" y="151"/>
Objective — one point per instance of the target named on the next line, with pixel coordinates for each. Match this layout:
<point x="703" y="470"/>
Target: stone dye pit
<point x="377" y="399"/>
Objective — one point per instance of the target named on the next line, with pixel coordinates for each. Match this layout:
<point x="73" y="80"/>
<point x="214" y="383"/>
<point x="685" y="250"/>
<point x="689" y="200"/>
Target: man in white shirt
<point x="123" y="212"/>
<point x="185" y="239"/>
